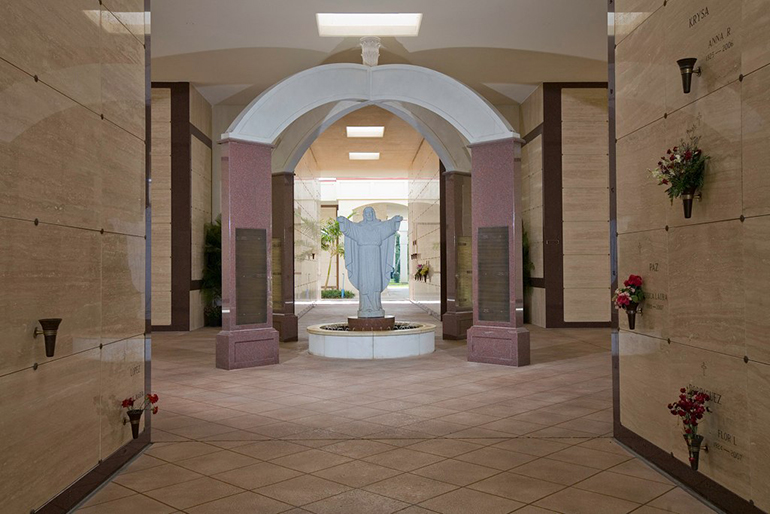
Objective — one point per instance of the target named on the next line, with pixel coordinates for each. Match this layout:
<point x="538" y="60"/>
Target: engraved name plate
<point x="494" y="283"/>
<point x="250" y="276"/>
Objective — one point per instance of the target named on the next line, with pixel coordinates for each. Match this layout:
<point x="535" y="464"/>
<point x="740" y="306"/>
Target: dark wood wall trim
<point x="200" y="136"/>
<point x="537" y="131"/>
<point x="442" y="236"/>
<point x="553" y="226"/>
<point x="181" y="205"/>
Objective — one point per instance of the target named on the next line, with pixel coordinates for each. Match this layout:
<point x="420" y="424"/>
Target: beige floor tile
<point x="246" y="502"/>
<point x="201" y="430"/>
<point x="257" y="475"/>
<point x="175" y="452"/>
<point x="356" y="502"/>
<point x="456" y="472"/>
<point x="680" y="502"/>
<point x="144" y="461"/>
<point x="410" y="488"/>
<point x="156" y="477"/>
<point x="517" y="487"/>
<point x="496" y="458"/>
<point x="310" y="460"/>
<point x="605" y="444"/>
<point x="217" y="462"/>
<point x="588" y="457"/>
<point x="531" y="509"/>
<point x="445" y="447"/>
<point x="358" y="449"/>
<point x="357" y="473"/>
<point x="623" y="486"/>
<point x="558" y="472"/>
<point x="268" y="450"/>
<point x="111" y="491"/>
<point x="575" y="501"/>
<point x="532" y="446"/>
<point x="467" y="501"/>
<point x="129" y="505"/>
<point x="302" y="490"/>
<point x="637" y="468"/>
<point x="194" y="492"/>
<point x="403" y="459"/>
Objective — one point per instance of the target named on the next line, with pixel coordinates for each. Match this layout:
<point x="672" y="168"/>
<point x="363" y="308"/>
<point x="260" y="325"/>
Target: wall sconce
<point x="687" y="68"/>
<point x="50" y="329"/>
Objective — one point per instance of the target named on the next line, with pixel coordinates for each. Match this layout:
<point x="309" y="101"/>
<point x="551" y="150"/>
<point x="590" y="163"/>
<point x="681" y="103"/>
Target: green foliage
<point x="330" y="242"/>
<point x="211" y="283"/>
<point x="336" y="293"/>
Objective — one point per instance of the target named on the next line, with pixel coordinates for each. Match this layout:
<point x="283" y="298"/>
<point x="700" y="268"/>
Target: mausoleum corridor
<point x="433" y="434"/>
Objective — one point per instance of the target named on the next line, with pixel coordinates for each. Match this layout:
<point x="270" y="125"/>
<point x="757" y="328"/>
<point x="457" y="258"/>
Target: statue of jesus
<point x="369" y="252"/>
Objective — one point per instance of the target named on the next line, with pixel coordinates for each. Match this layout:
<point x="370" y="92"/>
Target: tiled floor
<point x="430" y="434"/>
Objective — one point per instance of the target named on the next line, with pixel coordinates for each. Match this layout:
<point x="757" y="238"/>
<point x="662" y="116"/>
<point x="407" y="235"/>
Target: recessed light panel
<point x="364" y="156"/>
<point x="368" y="24"/>
<point x="366" y="131"/>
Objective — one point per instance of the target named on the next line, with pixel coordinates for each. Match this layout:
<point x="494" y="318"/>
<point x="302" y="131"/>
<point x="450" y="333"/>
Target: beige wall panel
<point x="585" y="204"/>
<point x="532" y="154"/>
<point x="161" y="212"/>
<point x="714" y="38"/>
<point x="726" y="429"/>
<point x="642" y="203"/>
<point x="49" y="168"/>
<point x="161" y="105"/>
<point x="758" y="385"/>
<point x="535" y="193"/>
<point x="122" y="286"/>
<point x="123" y="186"/>
<point x="197" y="320"/>
<point x="646" y="388"/>
<point x="584" y="104"/>
<point x="121" y="376"/>
<point x="582" y="137"/>
<point x="50" y="429"/>
<point x="630" y="14"/>
<point x="755" y="40"/>
<point x="586" y="170"/>
<point x="536" y="257"/>
<point x="533" y="224"/>
<point x="532" y="111"/>
<point x="756" y="134"/>
<point x="646" y="254"/>
<point x="587" y="304"/>
<point x="201" y="176"/>
<point x="640" y="74"/>
<point x="586" y="271"/>
<point x="161" y="308"/>
<point x="198" y="241"/>
<point x="756" y="283"/>
<point x="717" y="119"/>
<point x="161" y="139"/>
<point x="47" y="271"/>
<point x="586" y="237"/>
<point x="534" y="298"/>
<point x="161" y="172"/>
<point x="161" y="241"/>
<point x="125" y="11"/>
<point x="122" y="75"/>
<point x="59" y="42"/>
<point x="706" y="292"/>
<point x="200" y="112"/>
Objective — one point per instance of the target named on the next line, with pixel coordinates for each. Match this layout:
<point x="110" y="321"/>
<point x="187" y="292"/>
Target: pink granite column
<point x="498" y="335"/>
<point x="247" y="338"/>
<point x="284" y="318"/>
<point x="458" y="317"/>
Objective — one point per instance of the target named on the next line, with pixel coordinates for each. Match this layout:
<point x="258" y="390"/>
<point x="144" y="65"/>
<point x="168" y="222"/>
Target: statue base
<point x="371" y="324"/>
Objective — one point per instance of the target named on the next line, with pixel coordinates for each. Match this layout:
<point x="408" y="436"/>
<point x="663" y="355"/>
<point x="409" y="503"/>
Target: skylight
<point x="366" y="131"/>
<point x="368" y="24"/>
<point x="364" y="156"/>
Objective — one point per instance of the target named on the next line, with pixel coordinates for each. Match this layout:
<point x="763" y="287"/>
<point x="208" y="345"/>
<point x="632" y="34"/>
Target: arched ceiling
<point x="235" y="49"/>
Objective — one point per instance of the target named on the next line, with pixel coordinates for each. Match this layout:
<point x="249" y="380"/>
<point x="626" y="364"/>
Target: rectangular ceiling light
<point x="364" y="156"/>
<point x="368" y="24"/>
<point x="366" y="131"/>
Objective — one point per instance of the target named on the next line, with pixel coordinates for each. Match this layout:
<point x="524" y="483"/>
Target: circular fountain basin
<point x="408" y="339"/>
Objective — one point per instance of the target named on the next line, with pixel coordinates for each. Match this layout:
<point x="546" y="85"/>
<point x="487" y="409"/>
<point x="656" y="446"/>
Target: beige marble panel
<point x="586" y="271"/>
<point x="586" y="237"/>
<point x="535" y="297"/>
<point x="646" y="388"/>
<point x="161" y="139"/>
<point x="130" y="13"/>
<point x="122" y="286"/>
<point x="200" y="112"/>
<point x="585" y="204"/>
<point x="584" y="104"/>
<point x="706" y="290"/>
<point x="196" y="310"/>
<point x="161" y="211"/>
<point x="121" y="377"/>
<point x="532" y="156"/>
<point x="50" y="429"/>
<point x="640" y="67"/>
<point x="532" y="111"/>
<point x="536" y="257"/>
<point x="646" y="254"/>
<point x="756" y="283"/>
<point x="198" y="241"/>
<point x="726" y="429"/>
<point x="161" y="171"/>
<point x="47" y="271"/>
<point x="48" y="167"/>
<point x="630" y="14"/>
<point x="161" y="308"/>
<point x="123" y="188"/>
<point x="755" y="113"/>
<point x="587" y="304"/>
<point x="755" y="41"/>
<point x="161" y="105"/>
<point x="122" y="76"/>
<point x="717" y="119"/>
<point x="533" y="224"/>
<point x="711" y="32"/>
<point x="642" y="203"/>
<point x="758" y="386"/>
<point x="161" y="240"/>
<point x="58" y="42"/>
<point x="584" y="137"/>
<point x="587" y="170"/>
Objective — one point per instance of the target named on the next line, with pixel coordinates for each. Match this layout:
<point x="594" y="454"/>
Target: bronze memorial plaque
<point x="250" y="276"/>
<point x="494" y="283"/>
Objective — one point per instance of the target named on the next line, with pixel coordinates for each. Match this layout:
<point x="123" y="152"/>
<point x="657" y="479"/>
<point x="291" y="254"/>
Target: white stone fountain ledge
<point x="387" y="344"/>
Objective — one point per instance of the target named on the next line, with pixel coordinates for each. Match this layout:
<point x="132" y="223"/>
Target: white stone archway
<point x="452" y="117"/>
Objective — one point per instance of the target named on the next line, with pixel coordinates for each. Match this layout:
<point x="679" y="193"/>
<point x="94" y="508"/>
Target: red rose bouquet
<point x="135" y="412"/>
<point x="681" y="169"/>
<point x="630" y="295"/>
<point x="690" y="408"/>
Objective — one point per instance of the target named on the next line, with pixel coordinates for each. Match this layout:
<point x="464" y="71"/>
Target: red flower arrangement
<point x="134" y="413"/>
<point x="631" y="294"/>
<point x="682" y="168"/>
<point x="690" y="408"/>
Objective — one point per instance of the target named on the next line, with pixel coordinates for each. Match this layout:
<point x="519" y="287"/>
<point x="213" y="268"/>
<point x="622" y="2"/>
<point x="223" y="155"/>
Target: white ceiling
<point x="235" y="49"/>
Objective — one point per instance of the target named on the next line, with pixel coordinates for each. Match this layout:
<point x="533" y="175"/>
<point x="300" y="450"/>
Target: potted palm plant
<point x="211" y="282"/>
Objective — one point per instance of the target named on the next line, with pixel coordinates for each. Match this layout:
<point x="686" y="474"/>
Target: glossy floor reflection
<point x="428" y="434"/>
